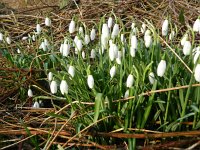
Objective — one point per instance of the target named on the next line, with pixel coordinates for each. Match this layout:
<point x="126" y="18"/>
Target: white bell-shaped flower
<point x="105" y="30"/>
<point x="8" y="40"/>
<point x="122" y="38"/>
<point x="47" y="21"/>
<point x="71" y="71"/>
<point x="61" y="48"/>
<point x="196" y="25"/>
<point x="87" y="39"/>
<point x="18" y="51"/>
<point x="110" y="21"/>
<point x="50" y="76"/>
<point x="151" y="77"/>
<point x="104" y="42"/>
<point x="132" y="51"/>
<point x="90" y="81"/>
<point x="81" y="31"/>
<point x="33" y="37"/>
<point x="38" y="29"/>
<point x="113" y="52"/>
<point x="196" y="57"/>
<point x="134" y="42"/>
<point x="161" y="68"/>
<point x="129" y="81"/>
<point x="53" y="87"/>
<point x="92" y="34"/>
<point x="83" y="54"/>
<point x="72" y="26"/>
<point x="66" y="49"/>
<point x="147" y="41"/>
<point x="112" y="71"/>
<point x="171" y="35"/>
<point x="119" y="57"/>
<point x="92" y="54"/>
<point x="126" y="95"/>
<point x="79" y="45"/>
<point x="36" y="105"/>
<point x="24" y="38"/>
<point x="30" y="93"/>
<point x="147" y="32"/>
<point x="165" y="26"/>
<point x="143" y="28"/>
<point x="1" y="36"/>
<point x="115" y="31"/>
<point x="184" y="39"/>
<point x="197" y="73"/>
<point x="187" y="48"/>
<point x="43" y="46"/>
<point x="64" y="87"/>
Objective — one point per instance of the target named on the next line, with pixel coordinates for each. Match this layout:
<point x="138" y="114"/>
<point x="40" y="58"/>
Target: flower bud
<point x="36" y="105"/>
<point x="187" y="48"/>
<point x="147" y="41"/>
<point x="53" y="87"/>
<point x="83" y="54"/>
<point x="92" y="34"/>
<point x="197" y="73"/>
<point x="151" y="77"/>
<point x="64" y="87"/>
<point x="165" y="27"/>
<point x="113" y="52"/>
<point x="79" y="45"/>
<point x="126" y="95"/>
<point x="105" y="30"/>
<point x="72" y="27"/>
<point x="115" y="31"/>
<point x="104" y="42"/>
<point x="90" y="81"/>
<point x="110" y="20"/>
<point x="61" y="48"/>
<point x="112" y="71"/>
<point x="184" y="39"/>
<point x="66" y="49"/>
<point x="196" y="25"/>
<point x="132" y="51"/>
<point x="71" y="71"/>
<point x="33" y="37"/>
<point x="134" y="42"/>
<point x="92" y="54"/>
<point x="81" y="31"/>
<point x="161" y="68"/>
<point x="87" y="39"/>
<point x="18" y="51"/>
<point x="8" y="40"/>
<point x="171" y="35"/>
<point x="119" y="57"/>
<point x="50" y="76"/>
<point x="30" y="93"/>
<point x="47" y="21"/>
<point x="143" y="28"/>
<point x="129" y="81"/>
<point x="38" y="29"/>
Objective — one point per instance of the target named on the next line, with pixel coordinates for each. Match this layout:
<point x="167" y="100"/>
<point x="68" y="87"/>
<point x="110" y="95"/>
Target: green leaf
<point x="98" y="100"/>
<point x="181" y="17"/>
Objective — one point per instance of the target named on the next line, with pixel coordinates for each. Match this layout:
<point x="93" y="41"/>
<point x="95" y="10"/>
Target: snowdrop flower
<point x="90" y="81"/>
<point x="126" y="95"/>
<point x="87" y="39"/>
<point x="196" y="25"/>
<point x="161" y="68"/>
<point x="18" y="51"/>
<point x="112" y="71"/>
<point x="61" y="48"/>
<point x="119" y="56"/>
<point x="30" y="93"/>
<point x="143" y="28"/>
<point x="79" y="45"/>
<point x="50" y="76"/>
<point x="83" y="54"/>
<point x="64" y="87"/>
<point x="184" y="39"/>
<point x="113" y="52"/>
<point x="92" y="54"/>
<point x="47" y="21"/>
<point x="43" y="46"/>
<point x="104" y="42"/>
<point x="33" y="37"/>
<point x="1" y="36"/>
<point x="151" y="77"/>
<point x="187" y="48"/>
<point x="81" y="31"/>
<point x="122" y="38"/>
<point x="71" y="71"/>
<point x="72" y="27"/>
<point x="66" y="49"/>
<point x="196" y="51"/>
<point x="105" y="30"/>
<point x="38" y="29"/>
<point x="24" y="38"/>
<point x="8" y="40"/>
<point x="132" y="51"/>
<point x="134" y="42"/>
<point x="147" y="32"/>
<point x="147" y="41"/>
<point x="46" y="42"/>
<point x="92" y="34"/>
<point x="197" y="73"/>
<point x="129" y="81"/>
<point x="53" y="87"/>
<point x="171" y="35"/>
<point x="133" y="27"/>
<point x="165" y="27"/>
<point x="110" y="21"/>
<point x="36" y="105"/>
<point x="115" y="31"/>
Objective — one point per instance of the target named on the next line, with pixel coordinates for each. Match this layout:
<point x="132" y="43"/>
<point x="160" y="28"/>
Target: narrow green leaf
<point x="98" y="100"/>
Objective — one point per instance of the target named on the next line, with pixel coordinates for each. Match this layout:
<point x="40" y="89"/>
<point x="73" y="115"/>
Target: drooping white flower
<point x="119" y="57"/>
<point x="197" y="73"/>
<point x="46" y="42"/>
<point x="30" y="93"/>
<point x="115" y="31"/>
<point x="61" y="48"/>
<point x="171" y="35"/>
<point x="196" y="25"/>
<point x="161" y="68"/>
<point x="38" y="29"/>
<point x="187" y="48"/>
<point x="147" y="32"/>
<point x="83" y="54"/>
<point x="87" y="39"/>
<point x="24" y="38"/>
<point x="92" y="34"/>
<point x="53" y="87"/>
<point x="132" y="51"/>
<point x="113" y="52"/>
<point x="196" y="57"/>
<point x="151" y="77"/>
<point x="147" y="41"/>
<point x="104" y="42"/>
<point x="81" y="31"/>
<point x="36" y="105"/>
<point x="66" y="49"/>
<point x="71" y="71"/>
<point x="129" y="81"/>
<point x="105" y="30"/>
<point x="112" y="71"/>
<point x="165" y="27"/>
<point x="18" y="51"/>
<point x="92" y="53"/>
<point x="50" y="76"/>
<point x="110" y="21"/>
<point x="184" y="39"/>
<point x="1" y="36"/>
<point x="143" y="28"/>
<point x="47" y="21"/>
<point x="134" y="42"/>
<point x="122" y="38"/>
<point x="33" y="37"/>
<point x="64" y="87"/>
<point x="79" y="45"/>
<point x="126" y="95"/>
<point x="90" y="81"/>
<point x="8" y="40"/>
<point x="72" y="26"/>
<point x="43" y="46"/>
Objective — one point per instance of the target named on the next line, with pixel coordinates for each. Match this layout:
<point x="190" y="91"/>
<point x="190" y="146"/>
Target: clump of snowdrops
<point x="136" y="77"/>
